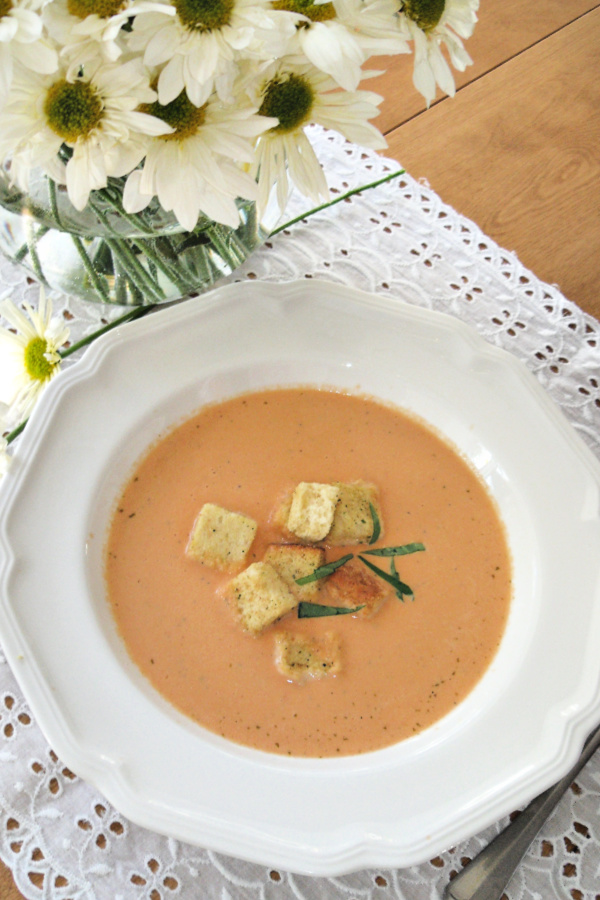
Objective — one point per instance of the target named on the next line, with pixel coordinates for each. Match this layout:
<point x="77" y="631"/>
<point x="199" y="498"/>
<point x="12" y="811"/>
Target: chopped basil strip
<point x="376" y="525"/>
<point x="400" y="594"/>
<point x="314" y="610"/>
<point x="402" y="550"/>
<point x="324" y="571"/>
<point x="390" y="578"/>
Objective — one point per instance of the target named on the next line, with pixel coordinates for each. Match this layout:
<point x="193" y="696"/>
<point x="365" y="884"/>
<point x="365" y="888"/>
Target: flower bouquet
<point x="148" y="146"/>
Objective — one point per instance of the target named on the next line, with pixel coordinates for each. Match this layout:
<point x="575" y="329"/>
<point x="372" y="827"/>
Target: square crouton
<point x="312" y="510"/>
<point x="299" y="657"/>
<point x="259" y="596"/>
<point x="280" y="514"/>
<point x="354" y="585"/>
<point x="294" y="561"/>
<point x="353" y="522"/>
<point x="220" y="538"/>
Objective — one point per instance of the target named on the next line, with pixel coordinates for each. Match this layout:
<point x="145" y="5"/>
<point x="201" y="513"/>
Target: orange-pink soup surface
<point x="404" y="668"/>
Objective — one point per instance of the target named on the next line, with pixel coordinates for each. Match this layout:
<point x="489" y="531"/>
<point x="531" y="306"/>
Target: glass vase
<point x="106" y="254"/>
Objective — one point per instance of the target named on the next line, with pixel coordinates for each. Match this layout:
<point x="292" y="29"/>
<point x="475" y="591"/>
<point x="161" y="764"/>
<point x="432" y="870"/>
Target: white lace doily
<point x="62" y="839"/>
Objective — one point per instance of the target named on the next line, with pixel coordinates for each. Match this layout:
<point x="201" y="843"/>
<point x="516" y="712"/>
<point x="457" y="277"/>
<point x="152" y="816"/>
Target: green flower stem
<point x="161" y="263"/>
<point x="102" y="216"/>
<point x="24" y="248"/>
<point x="238" y="246"/>
<point x="316" y="209"/>
<point x="168" y="253"/>
<point x="36" y="265"/>
<point x="135" y="270"/>
<point x="183" y="275"/>
<point x="35" y="260"/>
<point x="139" y="278"/>
<point x="97" y="280"/>
<point x="153" y="271"/>
<point x="132" y="218"/>
<point x="204" y="270"/>
<point x="135" y="313"/>
<point x="250" y="224"/>
<point x="137" y="297"/>
<point x="227" y="245"/>
<point x="166" y="249"/>
<point x="120" y="283"/>
<point x="54" y="203"/>
<point x="16" y="431"/>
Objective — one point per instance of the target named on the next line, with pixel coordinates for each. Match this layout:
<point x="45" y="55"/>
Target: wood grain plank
<point x="504" y="30"/>
<point x="8" y="889"/>
<point x="517" y="152"/>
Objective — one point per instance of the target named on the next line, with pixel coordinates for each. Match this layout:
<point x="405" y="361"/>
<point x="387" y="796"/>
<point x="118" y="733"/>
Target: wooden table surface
<point x="517" y="150"/>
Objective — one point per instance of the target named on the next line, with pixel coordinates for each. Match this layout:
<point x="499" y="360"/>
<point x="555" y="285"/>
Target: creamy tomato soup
<point x="402" y="668"/>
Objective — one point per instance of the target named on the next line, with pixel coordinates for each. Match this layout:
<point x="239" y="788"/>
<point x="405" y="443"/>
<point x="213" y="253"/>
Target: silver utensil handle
<point x="486" y="876"/>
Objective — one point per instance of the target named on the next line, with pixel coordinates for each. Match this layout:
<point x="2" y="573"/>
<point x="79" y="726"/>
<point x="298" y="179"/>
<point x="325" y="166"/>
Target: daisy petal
<point x="134" y="200"/>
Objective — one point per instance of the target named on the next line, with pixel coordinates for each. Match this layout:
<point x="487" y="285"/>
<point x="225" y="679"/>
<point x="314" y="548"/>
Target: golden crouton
<point x="354" y="585"/>
<point x="280" y="514"/>
<point x="312" y="510"/>
<point x="259" y="597"/>
<point x="353" y="522"/>
<point x="296" y="561"/>
<point x="300" y="657"/>
<point x="220" y="538"/>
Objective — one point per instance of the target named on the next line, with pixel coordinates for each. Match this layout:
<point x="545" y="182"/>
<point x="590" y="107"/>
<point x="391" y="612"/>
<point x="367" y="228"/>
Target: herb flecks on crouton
<point x="353" y="585"/>
<point x="259" y="596"/>
<point x="353" y="521"/>
<point x="300" y="657"/>
<point x="221" y="538"/>
<point x="294" y="561"/>
<point x="312" y="510"/>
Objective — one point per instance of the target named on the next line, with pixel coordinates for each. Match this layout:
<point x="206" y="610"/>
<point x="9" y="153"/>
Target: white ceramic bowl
<point x="517" y="732"/>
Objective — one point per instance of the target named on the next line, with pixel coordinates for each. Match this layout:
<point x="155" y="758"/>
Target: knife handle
<point x="487" y="875"/>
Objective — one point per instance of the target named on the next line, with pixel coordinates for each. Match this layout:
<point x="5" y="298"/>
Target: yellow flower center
<point x="180" y="114"/>
<point x="424" y="13"/>
<point x="204" y="15"/>
<point x="316" y="12"/>
<point x="102" y="8"/>
<point x="72" y="109"/>
<point x="290" y="100"/>
<point x="5" y="7"/>
<point x="36" y="364"/>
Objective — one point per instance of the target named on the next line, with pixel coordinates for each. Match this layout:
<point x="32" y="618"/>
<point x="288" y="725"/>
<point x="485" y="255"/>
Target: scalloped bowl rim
<point x="516" y="733"/>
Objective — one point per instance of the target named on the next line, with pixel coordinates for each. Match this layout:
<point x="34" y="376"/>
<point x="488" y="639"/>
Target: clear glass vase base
<point x="109" y="256"/>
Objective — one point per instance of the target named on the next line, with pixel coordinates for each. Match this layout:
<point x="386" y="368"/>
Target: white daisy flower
<point x="298" y="96"/>
<point x="195" y="170"/>
<point x="29" y="356"/>
<point x="200" y="44"/>
<point x="22" y="41"/>
<point x="337" y="37"/>
<point x="96" y="116"/>
<point x="89" y="32"/>
<point x="431" y="24"/>
<point x="376" y="24"/>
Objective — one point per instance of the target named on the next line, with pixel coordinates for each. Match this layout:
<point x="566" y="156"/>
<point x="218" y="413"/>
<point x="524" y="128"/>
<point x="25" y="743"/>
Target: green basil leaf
<point x="325" y="570"/>
<point x="404" y="589"/>
<point x="390" y="578"/>
<point x="402" y="550"/>
<point x="376" y="525"/>
<point x="394" y="572"/>
<point x="315" y="610"/>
